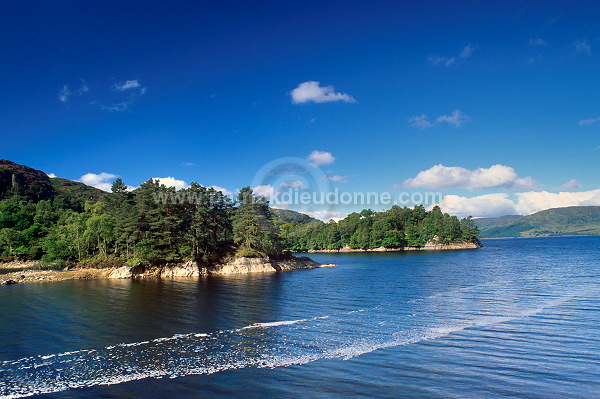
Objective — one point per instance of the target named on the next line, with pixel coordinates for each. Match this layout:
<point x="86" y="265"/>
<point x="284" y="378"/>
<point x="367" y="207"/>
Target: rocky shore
<point x="432" y="245"/>
<point x="185" y="269"/>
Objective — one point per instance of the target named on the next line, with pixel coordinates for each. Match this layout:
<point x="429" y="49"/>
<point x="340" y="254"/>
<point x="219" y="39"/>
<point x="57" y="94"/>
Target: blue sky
<point x="411" y="96"/>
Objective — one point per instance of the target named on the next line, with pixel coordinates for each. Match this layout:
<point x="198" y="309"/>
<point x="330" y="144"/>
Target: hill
<point x="287" y="216"/>
<point x="24" y="181"/>
<point x="569" y="221"/>
<point x="35" y="185"/>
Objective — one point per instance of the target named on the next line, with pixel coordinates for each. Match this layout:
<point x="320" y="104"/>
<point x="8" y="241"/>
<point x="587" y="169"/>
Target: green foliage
<point x="395" y="228"/>
<point x="154" y="224"/>
<point x="253" y="227"/>
<point x="575" y="220"/>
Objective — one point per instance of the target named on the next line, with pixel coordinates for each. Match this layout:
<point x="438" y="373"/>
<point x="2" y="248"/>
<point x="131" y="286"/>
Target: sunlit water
<point x="520" y="317"/>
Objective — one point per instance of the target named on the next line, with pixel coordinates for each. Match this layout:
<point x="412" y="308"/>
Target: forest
<point x="395" y="228"/>
<point x="155" y="224"/>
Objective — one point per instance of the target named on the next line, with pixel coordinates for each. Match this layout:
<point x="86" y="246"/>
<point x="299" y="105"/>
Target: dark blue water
<point x="520" y="317"/>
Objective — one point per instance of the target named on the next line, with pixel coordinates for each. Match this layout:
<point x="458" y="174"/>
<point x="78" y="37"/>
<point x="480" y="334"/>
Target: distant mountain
<point x="35" y="185"/>
<point x="77" y="189"/>
<point x="488" y="223"/>
<point x="287" y="216"/>
<point x="569" y="221"/>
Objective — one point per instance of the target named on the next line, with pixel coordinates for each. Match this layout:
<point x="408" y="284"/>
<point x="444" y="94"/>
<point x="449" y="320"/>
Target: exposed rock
<point x="121" y="272"/>
<point x="296" y="263"/>
<point x="243" y="266"/>
<point x="18" y="264"/>
<point x="184" y="269"/>
<point x="187" y="269"/>
<point x="432" y="245"/>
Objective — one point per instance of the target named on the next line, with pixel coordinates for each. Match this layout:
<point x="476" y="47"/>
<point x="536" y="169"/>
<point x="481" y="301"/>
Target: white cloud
<point x="318" y="158"/>
<point x="570" y="185"/>
<point x="440" y="176"/>
<point x="51" y="175"/>
<point x="293" y="184"/>
<point x="457" y="119"/>
<point x="537" y="42"/>
<point x="535" y="201"/>
<point x="338" y="178"/>
<point x="188" y="164"/>
<point x="84" y="88"/>
<point x="103" y="180"/>
<point x="171" y="182"/>
<point x="583" y="46"/>
<point x="436" y="60"/>
<point x="127" y="85"/>
<point x="310" y="91"/>
<point x="64" y="93"/>
<point x="489" y="205"/>
<point x="326" y="215"/>
<point x="131" y="89"/>
<point x="465" y="53"/>
<point x="420" y="122"/>
<point x="265" y="190"/>
<point x="526" y="203"/>
<point x="221" y="189"/>
<point x="118" y="107"/>
<point x="588" y="122"/>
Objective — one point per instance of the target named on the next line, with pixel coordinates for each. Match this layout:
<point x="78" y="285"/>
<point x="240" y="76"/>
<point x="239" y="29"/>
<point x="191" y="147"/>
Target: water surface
<point x="518" y="318"/>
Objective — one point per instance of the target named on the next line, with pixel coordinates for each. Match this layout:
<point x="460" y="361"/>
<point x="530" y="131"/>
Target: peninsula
<point x="71" y="230"/>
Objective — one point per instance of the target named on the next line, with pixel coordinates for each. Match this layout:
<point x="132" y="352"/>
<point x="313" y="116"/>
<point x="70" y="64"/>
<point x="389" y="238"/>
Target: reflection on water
<point x="518" y="317"/>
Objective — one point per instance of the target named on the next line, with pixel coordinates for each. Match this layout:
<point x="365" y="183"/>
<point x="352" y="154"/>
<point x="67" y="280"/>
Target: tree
<point x="253" y="228"/>
<point x="470" y="231"/>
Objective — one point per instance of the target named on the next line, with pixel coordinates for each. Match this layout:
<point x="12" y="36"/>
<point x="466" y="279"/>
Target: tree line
<point x="149" y="225"/>
<point x="395" y="228"/>
<point x="153" y="225"/>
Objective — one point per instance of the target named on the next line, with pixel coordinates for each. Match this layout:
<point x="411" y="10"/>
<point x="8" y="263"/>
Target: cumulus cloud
<point x="311" y="91"/>
<point x="535" y="201"/>
<point x="171" y="182"/>
<point x="583" y="46"/>
<point x="265" y="190"/>
<point x="326" y="215"/>
<point x="570" y="185"/>
<point x="588" y="122"/>
<point x="525" y="203"/>
<point x="465" y="53"/>
<point x="456" y="119"/>
<point x="489" y="205"/>
<point x="537" y="42"/>
<point x="103" y="180"/>
<point x="318" y="158"/>
<point x="51" y="175"/>
<point x="440" y="177"/>
<point x="221" y="189"/>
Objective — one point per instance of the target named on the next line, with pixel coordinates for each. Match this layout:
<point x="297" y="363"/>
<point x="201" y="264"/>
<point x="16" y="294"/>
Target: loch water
<point x="517" y="318"/>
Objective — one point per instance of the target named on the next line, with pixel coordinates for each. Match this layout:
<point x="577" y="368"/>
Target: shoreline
<point x="430" y="246"/>
<point x="181" y="269"/>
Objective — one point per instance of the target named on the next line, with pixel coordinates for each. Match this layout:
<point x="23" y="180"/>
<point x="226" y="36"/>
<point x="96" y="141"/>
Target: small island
<point x="59" y="229"/>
